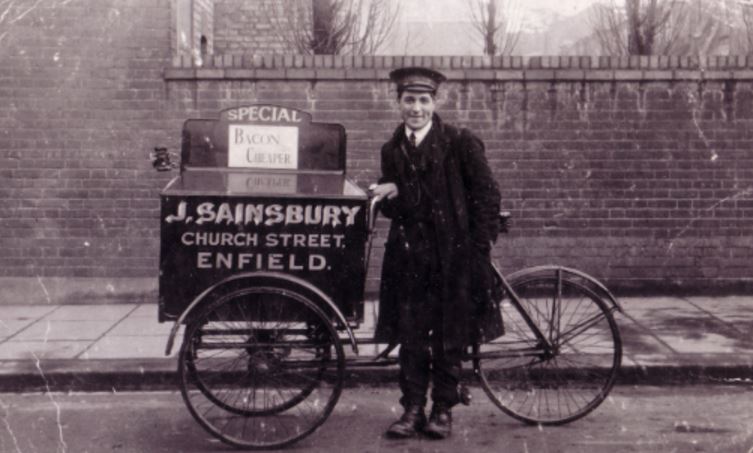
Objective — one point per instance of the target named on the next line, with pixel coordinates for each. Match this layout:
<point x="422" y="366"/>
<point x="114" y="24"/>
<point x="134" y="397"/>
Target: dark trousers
<point x="423" y="357"/>
<point x="428" y="360"/>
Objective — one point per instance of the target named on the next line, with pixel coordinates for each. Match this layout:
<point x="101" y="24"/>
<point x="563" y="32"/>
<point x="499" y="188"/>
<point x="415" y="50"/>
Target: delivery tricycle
<point x="264" y="250"/>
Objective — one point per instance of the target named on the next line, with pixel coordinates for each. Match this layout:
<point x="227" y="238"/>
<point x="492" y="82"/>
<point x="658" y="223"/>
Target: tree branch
<point x="497" y="23"/>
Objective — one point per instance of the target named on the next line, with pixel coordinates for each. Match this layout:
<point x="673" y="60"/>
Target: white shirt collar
<point x="420" y="133"/>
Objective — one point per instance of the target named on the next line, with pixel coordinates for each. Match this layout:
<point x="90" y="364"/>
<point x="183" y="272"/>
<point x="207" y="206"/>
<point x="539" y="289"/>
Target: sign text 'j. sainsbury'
<point x="281" y="236"/>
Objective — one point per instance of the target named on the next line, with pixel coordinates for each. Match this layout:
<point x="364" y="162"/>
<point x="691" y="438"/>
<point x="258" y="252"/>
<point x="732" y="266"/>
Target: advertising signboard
<point x="262" y="189"/>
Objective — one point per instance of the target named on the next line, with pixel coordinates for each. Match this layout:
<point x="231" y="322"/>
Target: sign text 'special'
<point x="263" y="113"/>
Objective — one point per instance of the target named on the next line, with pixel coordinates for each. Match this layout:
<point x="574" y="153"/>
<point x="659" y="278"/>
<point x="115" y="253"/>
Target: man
<point x="440" y="194"/>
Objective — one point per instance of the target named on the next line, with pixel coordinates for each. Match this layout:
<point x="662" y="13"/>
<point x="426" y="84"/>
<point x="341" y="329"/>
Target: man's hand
<point x="387" y="190"/>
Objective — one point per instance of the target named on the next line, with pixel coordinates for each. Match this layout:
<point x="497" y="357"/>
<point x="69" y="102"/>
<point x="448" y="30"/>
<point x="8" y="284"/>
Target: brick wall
<point x="243" y="26"/>
<point x="81" y="107"/>
<point x="636" y="170"/>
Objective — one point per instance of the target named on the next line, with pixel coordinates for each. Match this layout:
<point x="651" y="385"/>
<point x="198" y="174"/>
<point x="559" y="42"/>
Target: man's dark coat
<point x="465" y="207"/>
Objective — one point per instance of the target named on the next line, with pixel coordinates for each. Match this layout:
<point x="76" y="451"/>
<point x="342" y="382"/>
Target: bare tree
<point x="709" y="28"/>
<point x="410" y="39"/>
<point x="739" y="16"/>
<point x="497" y="21"/>
<point x="638" y="27"/>
<point x="357" y="27"/>
<point x="674" y="27"/>
<point x="746" y="15"/>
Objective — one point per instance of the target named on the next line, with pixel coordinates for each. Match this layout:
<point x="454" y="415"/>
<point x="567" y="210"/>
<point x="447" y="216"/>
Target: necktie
<point x="412" y="139"/>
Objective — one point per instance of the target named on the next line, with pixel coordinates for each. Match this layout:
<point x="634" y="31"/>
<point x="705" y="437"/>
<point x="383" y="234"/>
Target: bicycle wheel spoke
<point x="261" y="367"/>
<point x="577" y="331"/>
<point x="562" y="384"/>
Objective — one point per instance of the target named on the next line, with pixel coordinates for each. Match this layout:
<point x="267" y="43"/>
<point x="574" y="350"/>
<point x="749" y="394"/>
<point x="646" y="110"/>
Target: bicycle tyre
<point x="261" y="367"/>
<point x="536" y="389"/>
<point x="193" y="334"/>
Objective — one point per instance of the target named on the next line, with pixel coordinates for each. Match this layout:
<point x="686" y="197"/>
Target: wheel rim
<point x="261" y="367"/>
<point x="561" y="387"/>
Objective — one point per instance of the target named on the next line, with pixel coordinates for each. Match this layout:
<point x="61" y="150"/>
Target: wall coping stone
<point x="465" y="68"/>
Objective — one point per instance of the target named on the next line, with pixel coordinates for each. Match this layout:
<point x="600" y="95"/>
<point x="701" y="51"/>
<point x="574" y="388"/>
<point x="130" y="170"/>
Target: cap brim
<point x="418" y="88"/>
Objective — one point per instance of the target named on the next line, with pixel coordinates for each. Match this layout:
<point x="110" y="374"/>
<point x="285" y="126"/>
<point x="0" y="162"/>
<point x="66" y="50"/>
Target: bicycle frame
<point x="545" y="347"/>
<point x="545" y="343"/>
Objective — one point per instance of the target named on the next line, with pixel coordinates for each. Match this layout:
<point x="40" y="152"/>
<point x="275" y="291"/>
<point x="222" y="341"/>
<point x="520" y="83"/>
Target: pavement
<point x="121" y="346"/>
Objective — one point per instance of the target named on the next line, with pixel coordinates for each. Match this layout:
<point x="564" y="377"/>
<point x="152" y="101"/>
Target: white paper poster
<point x="267" y="147"/>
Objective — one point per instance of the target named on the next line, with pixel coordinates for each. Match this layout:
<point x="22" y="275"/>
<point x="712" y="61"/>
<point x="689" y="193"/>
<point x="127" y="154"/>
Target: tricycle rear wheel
<point x="261" y="367"/>
<point x="572" y="380"/>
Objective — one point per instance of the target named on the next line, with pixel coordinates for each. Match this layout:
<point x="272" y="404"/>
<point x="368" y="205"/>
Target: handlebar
<point x="373" y="209"/>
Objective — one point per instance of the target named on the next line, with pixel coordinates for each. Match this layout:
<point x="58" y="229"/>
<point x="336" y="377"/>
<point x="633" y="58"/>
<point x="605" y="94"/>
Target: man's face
<point x="416" y="108"/>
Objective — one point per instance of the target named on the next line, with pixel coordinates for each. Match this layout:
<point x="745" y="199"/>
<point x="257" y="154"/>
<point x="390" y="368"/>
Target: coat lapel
<point x="438" y="150"/>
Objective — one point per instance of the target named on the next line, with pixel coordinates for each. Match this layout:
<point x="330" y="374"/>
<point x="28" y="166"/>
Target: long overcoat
<point x="465" y="203"/>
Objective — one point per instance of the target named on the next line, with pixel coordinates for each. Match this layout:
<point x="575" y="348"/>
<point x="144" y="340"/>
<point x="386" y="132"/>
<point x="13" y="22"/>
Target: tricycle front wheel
<point x="261" y="367"/>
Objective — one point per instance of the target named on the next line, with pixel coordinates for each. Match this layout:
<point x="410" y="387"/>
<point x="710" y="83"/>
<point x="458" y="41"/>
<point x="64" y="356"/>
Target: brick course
<point x="245" y="27"/>
<point x="635" y="170"/>
<point x="82" y="106"/>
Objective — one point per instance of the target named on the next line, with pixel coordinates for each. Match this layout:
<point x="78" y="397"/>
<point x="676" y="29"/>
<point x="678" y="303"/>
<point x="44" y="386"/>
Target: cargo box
<point x="262" y="188"/>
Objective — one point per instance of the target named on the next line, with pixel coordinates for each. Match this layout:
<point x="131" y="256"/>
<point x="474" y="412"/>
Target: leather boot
<point x="412" y="421"/>
<point x="440" y="422"/>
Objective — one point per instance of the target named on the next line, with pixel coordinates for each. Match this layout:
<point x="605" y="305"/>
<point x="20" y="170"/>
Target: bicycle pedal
<point x="465" y="395"/>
